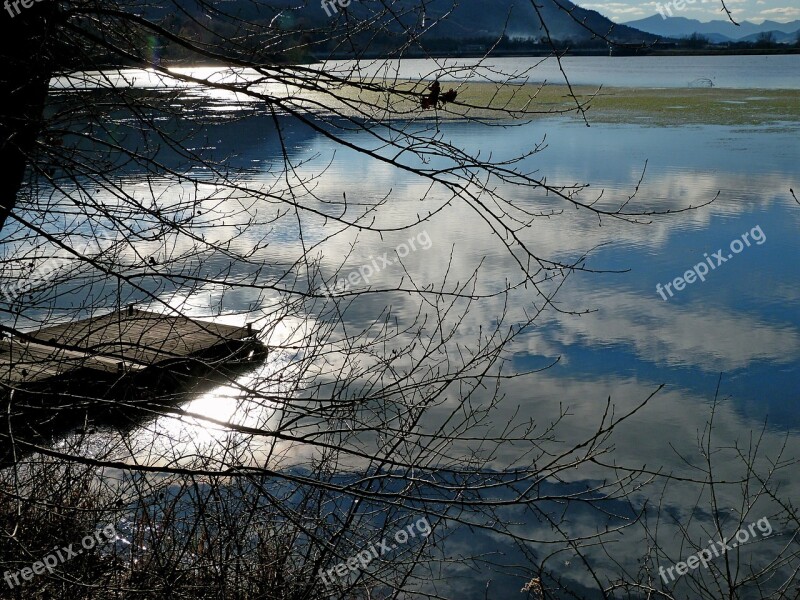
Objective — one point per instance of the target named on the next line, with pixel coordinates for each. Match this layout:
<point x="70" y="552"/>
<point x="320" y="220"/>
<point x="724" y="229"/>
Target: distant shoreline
<point x="532" y="53"/>
<point x="615" y="53"/>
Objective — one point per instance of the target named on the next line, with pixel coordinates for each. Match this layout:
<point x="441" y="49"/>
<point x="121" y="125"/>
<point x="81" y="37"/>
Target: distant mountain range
<point x="717" y="31"/>
<point x="441" y="27"/>
<point x="471" y="18"/>
<point x="465" y="19"/>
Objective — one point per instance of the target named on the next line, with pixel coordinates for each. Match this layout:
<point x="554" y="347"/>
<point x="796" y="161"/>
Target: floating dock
<point x="120" y="344"/>
<point x="119" y="369"/>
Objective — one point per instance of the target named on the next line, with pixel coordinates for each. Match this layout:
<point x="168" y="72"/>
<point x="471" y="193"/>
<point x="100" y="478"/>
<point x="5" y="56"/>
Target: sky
<point x="755" y="11"/>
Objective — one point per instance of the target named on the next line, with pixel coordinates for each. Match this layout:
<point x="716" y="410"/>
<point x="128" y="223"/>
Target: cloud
<point x="713" y="339"/>
<point x="616" y="10"/>
<point x="613" y="8"/>
<point x="609" y="5"/>
<point x="785" y="11"/>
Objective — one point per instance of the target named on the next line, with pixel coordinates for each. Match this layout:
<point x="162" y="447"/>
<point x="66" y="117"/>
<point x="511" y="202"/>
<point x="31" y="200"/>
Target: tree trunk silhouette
<point x="26" y="70"/>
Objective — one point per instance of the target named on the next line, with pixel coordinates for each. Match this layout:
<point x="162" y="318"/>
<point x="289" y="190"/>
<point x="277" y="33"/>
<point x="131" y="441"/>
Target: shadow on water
<point x="36" y="416"/>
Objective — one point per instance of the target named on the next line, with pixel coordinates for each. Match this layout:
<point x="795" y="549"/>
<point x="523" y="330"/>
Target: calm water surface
<point x="743" y="322"/>
<point x="743" y="72"/>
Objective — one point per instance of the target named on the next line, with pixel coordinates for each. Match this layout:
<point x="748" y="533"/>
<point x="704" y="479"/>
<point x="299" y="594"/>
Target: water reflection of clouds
<point x="695" y="335"/>
<point x="696" y="178"/>
<point x="710" y="334"/>
<point x="665" y="437"/>
<point x="200" y="430"/>
<point x="717" y="336"/>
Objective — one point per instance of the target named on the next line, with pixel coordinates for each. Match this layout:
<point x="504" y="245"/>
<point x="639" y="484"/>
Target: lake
<point x="729" y="72"/>
<point x="737" y="326"/>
